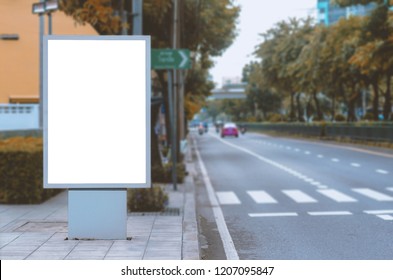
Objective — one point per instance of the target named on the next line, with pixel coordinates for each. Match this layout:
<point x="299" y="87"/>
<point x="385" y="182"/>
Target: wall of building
<point x="19" y="65"/>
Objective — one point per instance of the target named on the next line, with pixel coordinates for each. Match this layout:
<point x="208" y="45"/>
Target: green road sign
<point x="170" y="59"/>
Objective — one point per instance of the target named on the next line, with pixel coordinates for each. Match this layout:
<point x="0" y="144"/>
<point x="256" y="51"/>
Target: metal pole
<point x="40" y="82"/>
<point x="174" y="128"/>
<point x="137" y="17"/>
<point x="50" y="24"/>
<point x="172" y="118"/>
<point x="123" y="16"/>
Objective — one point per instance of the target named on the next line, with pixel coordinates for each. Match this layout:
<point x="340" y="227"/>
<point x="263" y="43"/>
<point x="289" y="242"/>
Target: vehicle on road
<point x="229" y="129"/>
<point x="243" y="129"/>
<point x="201" y="129"/>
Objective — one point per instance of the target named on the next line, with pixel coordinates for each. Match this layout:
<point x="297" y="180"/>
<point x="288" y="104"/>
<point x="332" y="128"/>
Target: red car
<point x="229" y="129"/>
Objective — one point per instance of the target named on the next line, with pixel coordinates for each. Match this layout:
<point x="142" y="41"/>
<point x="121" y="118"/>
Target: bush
<point x="21" y="171"/>
<point x="368" y="116"/>
<point x="164" y="174"/>
<point x="339" y="118"/>
<point x="152" y="199"/>
<point x="275" y="117"/>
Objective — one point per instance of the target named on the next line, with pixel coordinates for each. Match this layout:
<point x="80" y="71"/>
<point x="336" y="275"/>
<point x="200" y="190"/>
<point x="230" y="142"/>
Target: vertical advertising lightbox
<point x="96" y="112"/>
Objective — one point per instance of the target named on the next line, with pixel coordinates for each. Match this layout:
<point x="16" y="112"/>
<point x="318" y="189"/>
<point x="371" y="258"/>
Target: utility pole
<point x="137" y="19"/>
<point x="181" y="78"/>
<point x="41" y="75"/>
<point x="174" y="98"/>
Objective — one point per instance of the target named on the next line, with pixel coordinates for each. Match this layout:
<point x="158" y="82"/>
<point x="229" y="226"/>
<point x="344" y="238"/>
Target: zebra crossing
<point x="299" y="196"/>
<point x="353" y="195"/>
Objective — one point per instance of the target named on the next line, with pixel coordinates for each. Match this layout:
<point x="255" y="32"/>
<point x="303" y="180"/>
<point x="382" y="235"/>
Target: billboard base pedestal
<point x="97" y="214"/>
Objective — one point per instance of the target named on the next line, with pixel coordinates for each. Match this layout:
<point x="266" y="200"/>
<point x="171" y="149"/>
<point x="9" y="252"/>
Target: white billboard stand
<point x="97" y="127"/>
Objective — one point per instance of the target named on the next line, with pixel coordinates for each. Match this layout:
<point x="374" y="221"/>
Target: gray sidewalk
<point x="30" y="232"/>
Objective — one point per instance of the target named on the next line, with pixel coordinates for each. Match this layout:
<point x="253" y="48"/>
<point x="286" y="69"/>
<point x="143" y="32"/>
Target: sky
<point x="256" y="17"/>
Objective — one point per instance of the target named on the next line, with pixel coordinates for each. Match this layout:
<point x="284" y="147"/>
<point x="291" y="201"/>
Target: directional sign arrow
<point x="170" y="59"/>
<point x="185" y="59"/>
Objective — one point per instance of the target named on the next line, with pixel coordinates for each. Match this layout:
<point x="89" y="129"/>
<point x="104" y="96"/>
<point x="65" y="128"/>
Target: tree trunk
<point x="317" y="106"/>
<point x="375" y="100"/>
<point x="387" y="107"/>
<point x="292" y="110"/>
<point x="165" y="96"/>
<point x="299" y="108"/>
<point x="351" y="106"/>
<point x="333" y="105"/>
<point x="155" y="153"/>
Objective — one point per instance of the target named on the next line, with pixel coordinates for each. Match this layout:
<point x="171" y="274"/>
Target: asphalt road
<point x="296" y="199"/>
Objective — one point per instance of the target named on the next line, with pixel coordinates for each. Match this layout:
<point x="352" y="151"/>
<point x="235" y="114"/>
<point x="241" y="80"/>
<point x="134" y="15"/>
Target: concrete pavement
<point x="31" y="232"/>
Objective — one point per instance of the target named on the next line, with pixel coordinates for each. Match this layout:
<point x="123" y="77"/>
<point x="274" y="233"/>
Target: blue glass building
<point x="329" y="13"/>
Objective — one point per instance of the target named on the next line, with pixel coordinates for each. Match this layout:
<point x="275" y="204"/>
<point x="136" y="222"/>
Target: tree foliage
<point x="309" y="64"/>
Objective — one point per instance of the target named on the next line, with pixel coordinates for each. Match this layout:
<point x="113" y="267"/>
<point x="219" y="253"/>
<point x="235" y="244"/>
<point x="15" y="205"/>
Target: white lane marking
<point x="269" y="161"/>
<point x="297" y="150"/>
<point x="330" y="213"/>
<point x="315" y="183"/>
<point x="390" y="189"/>
<point x="283" y="214"/>
<point x="335" y="160"/>
<point x="354" y="164"/>
<point x="299" y="196"/>
<point x="229" y="246"/>
<point x="381" y="171"/>
<point x="340" y="146"/>
<point x="227" y="198"/>
<point x="323" y="187"/>
<point x="307" y="153"/>
<point x="289" y="148"/>
<point x="374" y="194"/>
<point x="378" y="212"/>
<point x="336" y="195"/>
<point x="261" y="197"/>
<point x="386" y="217"/>
<point x="320" y="156"/>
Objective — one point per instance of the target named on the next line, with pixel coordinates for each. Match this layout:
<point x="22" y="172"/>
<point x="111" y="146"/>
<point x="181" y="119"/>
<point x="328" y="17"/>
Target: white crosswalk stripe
<point x="299" y="196"/>
<point x="374" y="194"/>
<point x="225" y="198"/>
<point x="261" y="197"/>
<point x="336" y="195"/>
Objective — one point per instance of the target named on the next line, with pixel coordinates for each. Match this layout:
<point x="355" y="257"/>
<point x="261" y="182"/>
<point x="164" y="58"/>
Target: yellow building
<point x="19" y="50"/>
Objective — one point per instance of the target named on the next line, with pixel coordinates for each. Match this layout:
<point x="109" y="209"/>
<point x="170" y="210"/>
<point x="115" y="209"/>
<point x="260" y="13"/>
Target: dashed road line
<point x="279" y="214"/>
<point x="381" y="171"/>
<point x="379" y="212"/>
<point x="354" y="164"/>
<point x="330" y="213"/>
<point x="320" y="156"/>
<point x="335" y="160"/>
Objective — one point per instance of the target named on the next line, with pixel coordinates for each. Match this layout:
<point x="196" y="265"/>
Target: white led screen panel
<point x="96" y="111"/>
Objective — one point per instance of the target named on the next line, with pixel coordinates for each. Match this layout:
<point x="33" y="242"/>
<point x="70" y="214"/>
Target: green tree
<point x="279" y="54"/>
<point x="207" y="28"/>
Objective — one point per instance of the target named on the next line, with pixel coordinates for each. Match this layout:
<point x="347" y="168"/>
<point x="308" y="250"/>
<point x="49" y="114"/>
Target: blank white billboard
<point x="96" y="111"/>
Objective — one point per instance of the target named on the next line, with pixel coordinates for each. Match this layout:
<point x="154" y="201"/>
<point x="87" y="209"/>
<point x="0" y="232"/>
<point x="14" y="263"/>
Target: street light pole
<point x="41" y="75"/>
<point x="41" y="8"/>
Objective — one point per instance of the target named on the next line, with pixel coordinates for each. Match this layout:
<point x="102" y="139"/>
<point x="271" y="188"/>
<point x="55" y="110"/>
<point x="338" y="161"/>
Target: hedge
<point x="21" y="171"/>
